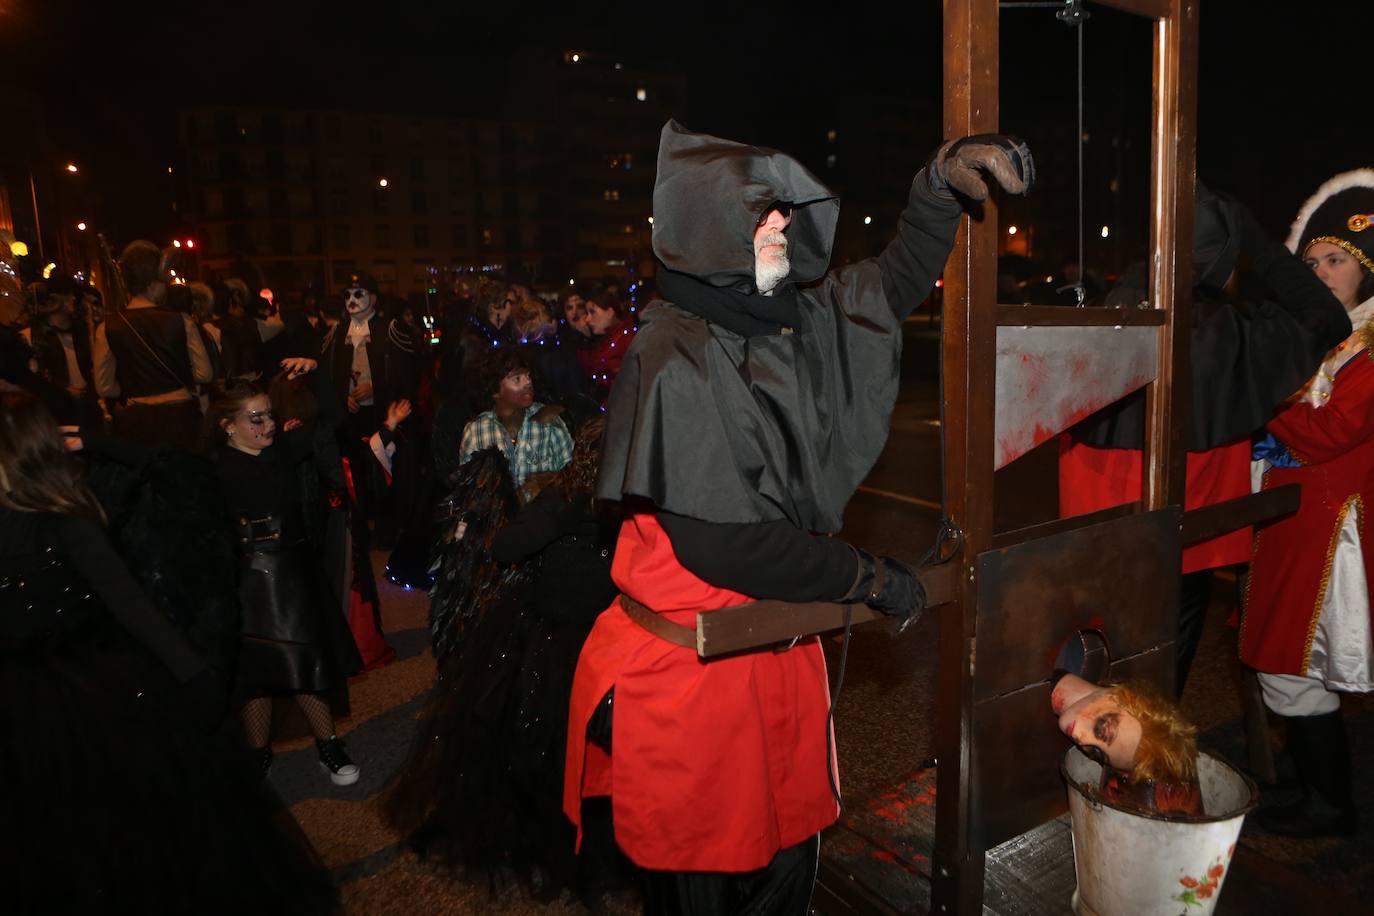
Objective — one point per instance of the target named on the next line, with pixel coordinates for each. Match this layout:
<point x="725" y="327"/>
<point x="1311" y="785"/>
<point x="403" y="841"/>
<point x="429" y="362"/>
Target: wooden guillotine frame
<point x="1015" y="376"/>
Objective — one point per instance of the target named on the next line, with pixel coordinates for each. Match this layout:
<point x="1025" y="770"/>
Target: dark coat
<point x="391" y="353"/>
<point x="710" y="424"/>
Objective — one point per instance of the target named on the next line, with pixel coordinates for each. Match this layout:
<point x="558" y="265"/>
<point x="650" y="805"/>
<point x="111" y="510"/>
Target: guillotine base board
<point x="876" y="861"/>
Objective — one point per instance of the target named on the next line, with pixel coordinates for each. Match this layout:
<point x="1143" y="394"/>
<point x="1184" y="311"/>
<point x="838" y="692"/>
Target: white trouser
<point x="1295" y="695"/>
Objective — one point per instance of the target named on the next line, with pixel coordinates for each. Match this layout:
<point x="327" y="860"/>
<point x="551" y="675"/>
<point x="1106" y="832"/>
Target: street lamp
<point x="1012" y="230"/>
<point x="71" y="167"/>
<point x="81" y="227"/>
<point x="381" y="183"/>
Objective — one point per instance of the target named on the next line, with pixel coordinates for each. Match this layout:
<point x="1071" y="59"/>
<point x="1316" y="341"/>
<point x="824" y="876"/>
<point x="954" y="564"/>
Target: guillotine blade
<point x="1049" y="378"/>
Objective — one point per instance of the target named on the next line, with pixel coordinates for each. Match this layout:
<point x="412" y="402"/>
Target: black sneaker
<point x="262" y="760"/>
<point x="335" y="761"/>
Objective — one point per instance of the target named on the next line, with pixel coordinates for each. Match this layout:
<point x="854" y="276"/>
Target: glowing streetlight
<point x="576" y="58"/>
<point x="651" y="221"/>
<point x="71" y="167"/>
<point x="868" y="220"/>
<point x="190" y="243"/>
<point x="176" y="243"/>
<point x="1012" y="230"/>
<point x="641" y="94"/>
<point x="81" y="227"/>
<point x="382" y="183"/>
<point x="1106" y="231"/>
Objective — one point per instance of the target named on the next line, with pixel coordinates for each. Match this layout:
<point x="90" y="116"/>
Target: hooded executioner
<point x="749" y="407"/>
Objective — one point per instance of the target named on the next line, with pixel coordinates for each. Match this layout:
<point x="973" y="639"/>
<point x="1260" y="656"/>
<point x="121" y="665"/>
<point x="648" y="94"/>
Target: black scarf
<point x="747" y="314"/>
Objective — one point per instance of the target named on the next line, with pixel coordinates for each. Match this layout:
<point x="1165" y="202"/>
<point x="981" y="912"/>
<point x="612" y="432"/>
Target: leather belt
<point x="657" y="624"/>
<point x="681" y="635"/>
<point x="271" y="532"/>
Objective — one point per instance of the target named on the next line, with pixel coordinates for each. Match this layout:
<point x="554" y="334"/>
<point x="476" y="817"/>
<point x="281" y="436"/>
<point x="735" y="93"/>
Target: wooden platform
<point x="876" y="861"/>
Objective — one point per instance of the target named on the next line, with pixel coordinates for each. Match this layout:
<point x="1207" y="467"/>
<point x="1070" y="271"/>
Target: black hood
<point x="709" y="196"/>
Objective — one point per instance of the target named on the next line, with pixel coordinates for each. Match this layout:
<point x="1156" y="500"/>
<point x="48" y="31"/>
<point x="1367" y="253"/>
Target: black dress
<point x="114" y="797"/>
<point x="482" y="788"/>
<point x="295" y="636"/>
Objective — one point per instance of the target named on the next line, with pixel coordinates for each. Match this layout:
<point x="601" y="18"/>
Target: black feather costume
<point x="468" y="796"/>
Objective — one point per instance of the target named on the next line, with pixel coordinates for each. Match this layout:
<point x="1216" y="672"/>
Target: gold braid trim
<point x="1366" y="335"/>
<point x="1250" y="574"/>
<point x="1358" y="503"/>
<point x="1349" y="247"/>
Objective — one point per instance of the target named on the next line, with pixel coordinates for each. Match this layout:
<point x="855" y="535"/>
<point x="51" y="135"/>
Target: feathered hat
<point x="1341" y="213"/>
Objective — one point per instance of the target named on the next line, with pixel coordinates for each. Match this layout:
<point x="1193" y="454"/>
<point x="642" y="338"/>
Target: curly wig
<point x="1168" y="743"/>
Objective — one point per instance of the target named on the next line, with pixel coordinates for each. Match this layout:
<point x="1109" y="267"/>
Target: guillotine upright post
<point x="969" y="349"/>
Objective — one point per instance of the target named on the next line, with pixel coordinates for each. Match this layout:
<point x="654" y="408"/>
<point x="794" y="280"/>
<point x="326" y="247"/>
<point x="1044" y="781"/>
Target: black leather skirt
<point x="295" y="636"/>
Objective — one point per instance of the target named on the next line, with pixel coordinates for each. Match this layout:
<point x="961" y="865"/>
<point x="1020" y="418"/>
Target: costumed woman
<point x="1307" y="621"/>
<point x="296" y="641"/>
<point x="115" y="793"/>
<point x="336" y="529"/>
<point x="482" y="790"/>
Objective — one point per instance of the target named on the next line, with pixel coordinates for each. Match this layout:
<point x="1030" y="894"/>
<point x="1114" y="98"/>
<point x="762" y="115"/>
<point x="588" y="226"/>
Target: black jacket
<point x="390" y="354"/>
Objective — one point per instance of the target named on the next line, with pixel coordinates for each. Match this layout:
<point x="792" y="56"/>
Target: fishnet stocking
<point x="317" y="714"/>
<point x="257" y="721"/>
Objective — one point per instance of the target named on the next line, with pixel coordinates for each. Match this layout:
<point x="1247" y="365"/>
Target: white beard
<point x="772" y="269"/>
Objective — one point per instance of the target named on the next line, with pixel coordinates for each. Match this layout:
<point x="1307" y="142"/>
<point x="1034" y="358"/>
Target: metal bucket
<point x="1133" y="864"/>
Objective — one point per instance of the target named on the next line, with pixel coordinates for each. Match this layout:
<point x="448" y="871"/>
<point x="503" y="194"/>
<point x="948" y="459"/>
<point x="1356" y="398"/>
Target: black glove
<point x="889" y="586"/>
<point x="957" y="165"/>
<point x="205" y="699"/>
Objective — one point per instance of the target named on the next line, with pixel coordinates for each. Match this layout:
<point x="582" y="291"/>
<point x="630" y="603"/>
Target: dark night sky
<point x="111" y="76"/>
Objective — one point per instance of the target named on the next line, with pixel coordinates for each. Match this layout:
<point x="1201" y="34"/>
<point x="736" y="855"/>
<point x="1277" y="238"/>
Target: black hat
<point x="358" y="280"/>
<point x="1341" y="213"/>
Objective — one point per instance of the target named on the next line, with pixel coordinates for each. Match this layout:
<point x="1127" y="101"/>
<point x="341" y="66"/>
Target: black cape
<point x="1246" y="356"/>
<point x="717" y="426"/>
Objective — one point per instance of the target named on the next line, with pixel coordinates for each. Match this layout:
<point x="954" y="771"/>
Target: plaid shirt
<point x="541" y="446"/>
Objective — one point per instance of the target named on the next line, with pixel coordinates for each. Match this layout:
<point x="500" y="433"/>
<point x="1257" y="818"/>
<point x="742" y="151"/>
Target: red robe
<point x="1091" y="479"/>
<point x="1293" y="556"/>
<point x="715" y="765"/>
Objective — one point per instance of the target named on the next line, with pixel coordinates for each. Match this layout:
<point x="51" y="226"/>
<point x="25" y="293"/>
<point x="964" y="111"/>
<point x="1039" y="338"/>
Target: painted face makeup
<point x="254" y="427"/>
<point x="358" y="302"/>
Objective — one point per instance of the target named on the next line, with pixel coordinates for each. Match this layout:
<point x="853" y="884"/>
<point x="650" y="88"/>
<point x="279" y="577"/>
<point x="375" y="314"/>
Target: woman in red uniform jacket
<point x="1307" y="619"/>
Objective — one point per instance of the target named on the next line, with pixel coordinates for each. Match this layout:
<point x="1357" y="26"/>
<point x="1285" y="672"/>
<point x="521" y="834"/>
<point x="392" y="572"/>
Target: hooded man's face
<point x="771" y="265"/>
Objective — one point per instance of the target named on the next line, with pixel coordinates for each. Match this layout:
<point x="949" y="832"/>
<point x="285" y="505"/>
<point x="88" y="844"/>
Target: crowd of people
<point x="193" y="480"/>
<point x="211" y="471"/>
